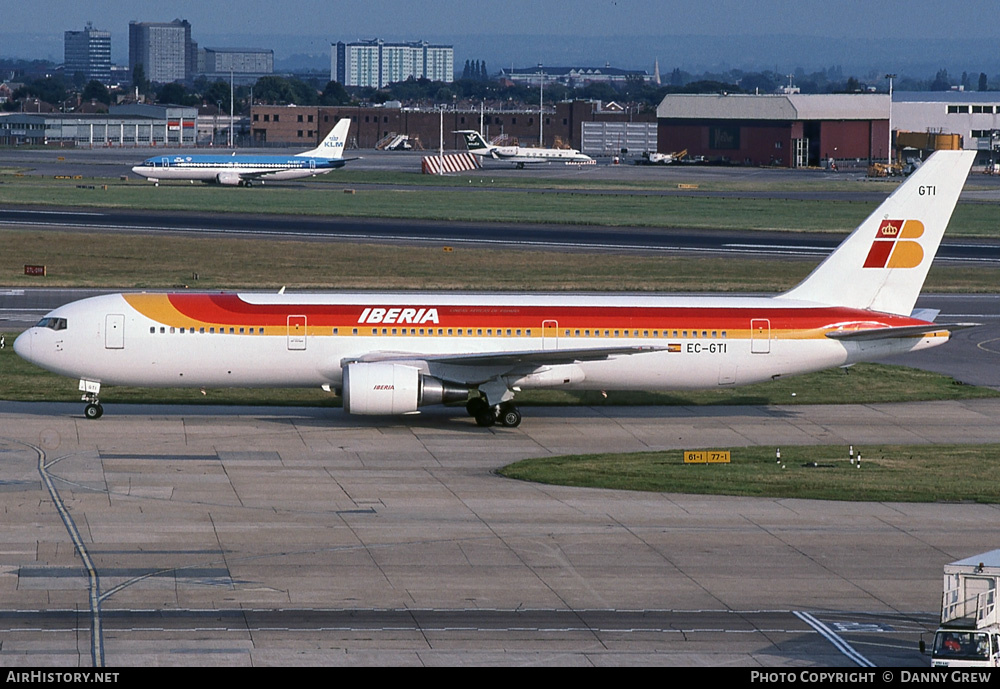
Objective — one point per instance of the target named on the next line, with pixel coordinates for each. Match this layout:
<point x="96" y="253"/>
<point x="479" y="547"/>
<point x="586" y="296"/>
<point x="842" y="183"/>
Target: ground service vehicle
<point x="969" y="633"/>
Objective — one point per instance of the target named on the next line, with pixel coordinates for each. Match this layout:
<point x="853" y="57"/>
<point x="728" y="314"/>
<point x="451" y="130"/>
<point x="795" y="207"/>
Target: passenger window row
<point x="210" y="330"/>
<point x="60" y="324"/>
<point x="703" y="334"/>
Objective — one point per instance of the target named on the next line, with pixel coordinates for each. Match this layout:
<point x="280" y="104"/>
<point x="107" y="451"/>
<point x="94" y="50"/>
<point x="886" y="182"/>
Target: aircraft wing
<point x="338" y="163"/>
<point x="481" y="366"/>
<point x="870" y="334"/>
<point x="538" y="357"/>
<point x="256" y="174"/>
<point x="335" y="163"/>
<point x="529" y="356"/>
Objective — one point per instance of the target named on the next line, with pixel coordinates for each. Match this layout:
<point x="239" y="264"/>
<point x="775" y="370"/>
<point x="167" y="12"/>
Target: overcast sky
<point x="236" y="23"/>
<point x="892" y="19"/>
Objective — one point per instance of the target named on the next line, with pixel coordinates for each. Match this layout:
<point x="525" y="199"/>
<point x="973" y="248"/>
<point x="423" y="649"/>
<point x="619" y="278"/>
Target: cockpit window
<point x="52" y="323"/>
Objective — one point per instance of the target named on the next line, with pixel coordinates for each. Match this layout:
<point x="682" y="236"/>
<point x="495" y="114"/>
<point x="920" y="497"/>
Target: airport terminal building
<point x="125" y="126"/>
<point x="972" y="115"/>
<point x="562" y="124"/>
<point x="786" y="130"/>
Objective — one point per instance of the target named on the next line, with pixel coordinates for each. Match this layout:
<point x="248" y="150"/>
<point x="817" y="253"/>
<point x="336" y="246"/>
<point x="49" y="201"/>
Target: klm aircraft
<point x="243" y="170"/>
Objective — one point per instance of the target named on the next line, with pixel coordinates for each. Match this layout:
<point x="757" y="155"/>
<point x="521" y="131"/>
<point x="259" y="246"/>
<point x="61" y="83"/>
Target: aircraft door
<point x="114" y="331"/>
<point x="760" y="336"/>
<point x="727" y="372"/>
<point x="296" y="332"/>
<point x="550" y="334"/>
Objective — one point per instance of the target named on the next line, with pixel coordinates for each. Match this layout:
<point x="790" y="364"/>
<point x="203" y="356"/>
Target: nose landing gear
<point x="90" y="391"/>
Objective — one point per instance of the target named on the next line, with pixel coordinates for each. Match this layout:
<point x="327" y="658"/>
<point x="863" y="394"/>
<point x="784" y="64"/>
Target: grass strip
<point x="611" y="210"/>
<point x="887" y="473"/>
<point x="90" y="259"/>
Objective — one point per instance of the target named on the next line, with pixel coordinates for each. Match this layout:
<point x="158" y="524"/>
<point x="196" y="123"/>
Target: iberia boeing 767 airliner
<point x="392" y="353"/>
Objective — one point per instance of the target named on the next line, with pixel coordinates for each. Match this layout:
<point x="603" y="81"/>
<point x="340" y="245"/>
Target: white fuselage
<point x="233" y="169"/>
<point x="522" y="155"/>
<point x="262" y="340"/>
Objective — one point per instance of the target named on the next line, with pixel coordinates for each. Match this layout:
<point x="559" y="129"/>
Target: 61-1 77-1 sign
<point x="706" y="457"/>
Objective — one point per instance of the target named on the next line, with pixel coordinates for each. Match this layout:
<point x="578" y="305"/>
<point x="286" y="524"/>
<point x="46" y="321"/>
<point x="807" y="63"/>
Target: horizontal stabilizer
<point x="870" y="334"/>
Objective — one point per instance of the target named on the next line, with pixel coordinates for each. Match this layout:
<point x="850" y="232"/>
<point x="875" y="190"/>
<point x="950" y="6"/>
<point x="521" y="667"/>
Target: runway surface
<point x="560" y="237"/>
<point x="239" y="536"/>
<point x="113" y="163"/>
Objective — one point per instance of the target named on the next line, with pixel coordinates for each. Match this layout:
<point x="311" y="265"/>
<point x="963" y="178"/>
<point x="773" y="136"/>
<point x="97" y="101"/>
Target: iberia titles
<point x="399" y="315"/>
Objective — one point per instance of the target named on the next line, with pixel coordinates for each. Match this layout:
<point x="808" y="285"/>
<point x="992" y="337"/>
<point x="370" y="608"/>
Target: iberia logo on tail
<point x="893" y="247"/>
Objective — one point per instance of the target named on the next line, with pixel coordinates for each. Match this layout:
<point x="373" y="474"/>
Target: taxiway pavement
<point x="242" y="536"/>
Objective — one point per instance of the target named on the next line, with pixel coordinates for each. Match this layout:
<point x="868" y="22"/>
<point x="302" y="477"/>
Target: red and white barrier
<point x="453" y="162"/>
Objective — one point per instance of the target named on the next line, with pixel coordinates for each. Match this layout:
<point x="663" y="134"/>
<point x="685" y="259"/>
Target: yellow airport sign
<point x="707" y="457"/>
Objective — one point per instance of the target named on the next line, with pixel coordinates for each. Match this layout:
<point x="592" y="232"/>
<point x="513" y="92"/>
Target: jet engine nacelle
<point x="229" y="178"/>
<point x="385" y="388"/>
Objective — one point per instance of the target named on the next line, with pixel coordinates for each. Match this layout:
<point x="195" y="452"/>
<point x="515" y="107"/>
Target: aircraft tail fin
<point x="475" y="141"/>
<point x="332" y="146"/>
<point x="882" y="265"/>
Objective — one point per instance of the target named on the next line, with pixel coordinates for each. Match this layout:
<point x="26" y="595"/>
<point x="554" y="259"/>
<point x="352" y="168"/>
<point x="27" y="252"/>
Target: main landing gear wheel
<point x="509" y="416"/>
<point x="93" y="411"/>
<point x="505" y="414"/>
<point x="476" y="406"/>
<point x="486" y="419"/>
<point x="481" y="411"/>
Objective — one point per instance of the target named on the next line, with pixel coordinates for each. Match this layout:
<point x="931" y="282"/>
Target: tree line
<point x="474" y="86"/>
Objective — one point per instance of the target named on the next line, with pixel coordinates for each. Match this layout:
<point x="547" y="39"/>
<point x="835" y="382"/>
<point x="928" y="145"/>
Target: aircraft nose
<point x="22" y="345"/>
